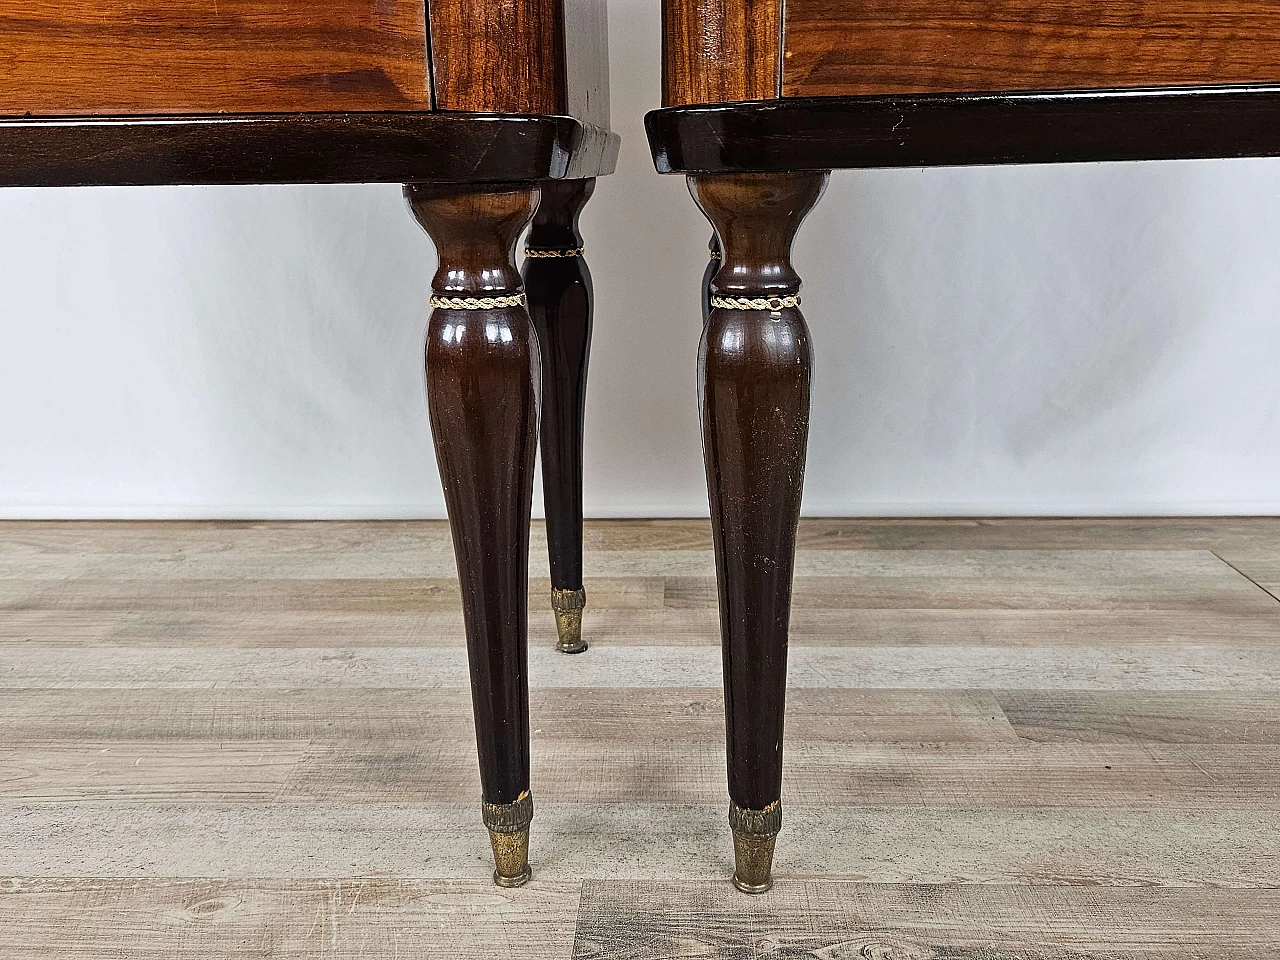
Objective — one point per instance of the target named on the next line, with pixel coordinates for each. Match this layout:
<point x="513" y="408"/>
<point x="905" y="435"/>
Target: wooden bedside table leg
<point x="482" y="369"/>
<point x="709" y="274"/>
<point x="561" y="304"/>
<point x="754" y="366"/>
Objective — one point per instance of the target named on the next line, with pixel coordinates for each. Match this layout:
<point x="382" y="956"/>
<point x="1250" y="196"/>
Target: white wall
<point x="1090" y="339"/>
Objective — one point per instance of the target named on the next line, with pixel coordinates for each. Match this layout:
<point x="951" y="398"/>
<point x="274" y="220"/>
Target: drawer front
<point x="72" y="57"/>
<point x="852" y="47"/>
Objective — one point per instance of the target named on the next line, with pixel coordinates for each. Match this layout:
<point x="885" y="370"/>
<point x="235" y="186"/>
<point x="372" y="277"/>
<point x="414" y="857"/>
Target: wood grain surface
<point x="1007" y="739"/>
<point x="721" y="50"/>
<point x="837" y="48"/>
<point x="505" y="57"/>
<point x="286" y="920"/>
<point x="628" y="920"/>
<point x="522" y="56"/>
<point x="197" y="56"/>
<point x="631" y="921"/>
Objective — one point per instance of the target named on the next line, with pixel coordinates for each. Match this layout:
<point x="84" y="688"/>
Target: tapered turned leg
<point x="754" y="368"/>
<point x="560" y="303"/>
<point x="482" y="369"/>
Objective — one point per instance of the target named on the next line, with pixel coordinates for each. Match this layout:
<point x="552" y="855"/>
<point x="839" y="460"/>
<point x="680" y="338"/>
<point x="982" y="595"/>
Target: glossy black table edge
<point x="379" y="147"/>
<point x="1061" y="126"/>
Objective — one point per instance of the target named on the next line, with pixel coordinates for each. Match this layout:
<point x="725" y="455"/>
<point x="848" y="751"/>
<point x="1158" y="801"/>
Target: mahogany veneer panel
<point x="506" y="57"/>
<point x="721" y="50"/>
<point x="204" y="56"/>
<point x="841" y="47"/>
<point x="522" y="56"/>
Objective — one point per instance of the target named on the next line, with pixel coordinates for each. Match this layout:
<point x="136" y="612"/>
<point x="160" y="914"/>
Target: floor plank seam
<point x="1246" y="576"/>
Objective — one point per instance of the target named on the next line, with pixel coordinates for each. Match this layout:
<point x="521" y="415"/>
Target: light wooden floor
<point x="1007" y="739"/>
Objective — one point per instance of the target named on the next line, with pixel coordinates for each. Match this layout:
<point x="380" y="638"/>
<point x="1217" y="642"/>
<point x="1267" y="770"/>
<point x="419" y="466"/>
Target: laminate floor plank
<point x="1118" y="667"/>
<point x="621" y="920"/>
<point x="366" y="595"/>
<point x="248" y="771"/>
<point x="340" y="919"/>
<point x="940" y="776"/>
<point x="1106" y="716"/>
<point x="612" y="627"/>
<point x="626" y="920"/>
<point x="1228" y="594"/>
<point x="1239" y="849"/>
<point x="602" y="715"/>
<point x="433" y="559"/>
<point x="386" y="538"/>
<point x="1031" y="533"/>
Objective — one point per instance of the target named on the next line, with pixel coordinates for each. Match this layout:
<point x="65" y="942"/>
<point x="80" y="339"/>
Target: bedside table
<point x="763" y="98"/>
<point x="492" y="113"/>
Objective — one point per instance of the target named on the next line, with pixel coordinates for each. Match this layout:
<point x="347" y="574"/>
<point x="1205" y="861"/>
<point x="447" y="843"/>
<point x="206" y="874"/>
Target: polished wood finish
<point x="275" y="91"/>
<point x="482" y="368"/>
<point x="165" y="57"/>
<point x="843" y="48"/>
<point x="301" y="148"/>
<point x="243" y="56"/>
<point x="709" y="274"/>
<point x="507" y="58"/>
<point x="521" y="56"/>
<point x="718" y="51"/>
<point x="754" y="386"/>
<point x="823" y="133"/>
<point x="721" y="50"/>
<point x="561" y="302"/>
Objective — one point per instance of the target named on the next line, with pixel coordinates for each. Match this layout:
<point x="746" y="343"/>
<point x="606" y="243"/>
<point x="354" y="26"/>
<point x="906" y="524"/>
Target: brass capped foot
<point x="755" y="833"/>
<point x="568" y="606"/>
<point x="508" y="825"/>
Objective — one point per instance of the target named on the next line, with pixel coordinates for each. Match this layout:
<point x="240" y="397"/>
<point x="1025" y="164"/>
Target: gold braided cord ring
<point x="477" y="303"/>
<point x="773" y="304"/>
<point x="534" y="253"/>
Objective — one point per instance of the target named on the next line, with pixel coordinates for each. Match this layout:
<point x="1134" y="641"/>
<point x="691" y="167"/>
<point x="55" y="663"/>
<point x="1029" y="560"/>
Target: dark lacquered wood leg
<point x="482" y="369"/>
<point x="709" y="274"/>
<point x="560" y="303"/>
<point x="754" y="367"/>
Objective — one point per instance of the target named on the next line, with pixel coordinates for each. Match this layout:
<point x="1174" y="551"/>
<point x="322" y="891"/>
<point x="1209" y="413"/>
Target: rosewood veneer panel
<point x="720" y="50"/>
<point x="845" y="48"/>
<point x="505" y="57"/>
<point x="80" y="57"/>
<point x="522" y="56"/>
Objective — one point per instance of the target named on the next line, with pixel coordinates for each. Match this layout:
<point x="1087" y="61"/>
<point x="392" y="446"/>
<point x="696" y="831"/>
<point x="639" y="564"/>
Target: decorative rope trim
<point x="716" y="255"/>
<point x="477" y="303"/>
<point x="535" y="254"/>
<point x="773" y="304"/>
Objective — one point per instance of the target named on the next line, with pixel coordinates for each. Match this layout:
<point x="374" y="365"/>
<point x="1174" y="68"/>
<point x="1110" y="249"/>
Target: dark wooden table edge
<point x="1062" y="126"/>
<point x="379" y="147"/>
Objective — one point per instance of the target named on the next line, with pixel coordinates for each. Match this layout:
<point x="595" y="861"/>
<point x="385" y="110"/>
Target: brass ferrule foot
<point x="568" y="606"/>
<point x="508" y="825"/>
<point x="755" y="833"/>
